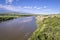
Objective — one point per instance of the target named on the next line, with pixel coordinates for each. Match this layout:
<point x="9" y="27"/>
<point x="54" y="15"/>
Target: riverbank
<point x="48" y="28"/>
<point x="6" y="17"/>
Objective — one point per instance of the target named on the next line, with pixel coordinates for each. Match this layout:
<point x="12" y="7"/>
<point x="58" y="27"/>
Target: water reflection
<point x="17" y="29"/>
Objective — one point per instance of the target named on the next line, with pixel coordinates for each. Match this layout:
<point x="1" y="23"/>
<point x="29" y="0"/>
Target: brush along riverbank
<point x="48" y="28"/>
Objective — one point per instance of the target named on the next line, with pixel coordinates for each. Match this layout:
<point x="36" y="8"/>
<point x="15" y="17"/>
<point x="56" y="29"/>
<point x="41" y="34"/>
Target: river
<point x="17" y="29"/>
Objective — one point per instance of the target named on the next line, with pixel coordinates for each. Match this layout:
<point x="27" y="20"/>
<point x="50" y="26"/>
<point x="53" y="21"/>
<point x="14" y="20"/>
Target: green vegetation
<point x="6" y="17"/>
<point x="48" y="29"/>
<point x="48" y="26"/>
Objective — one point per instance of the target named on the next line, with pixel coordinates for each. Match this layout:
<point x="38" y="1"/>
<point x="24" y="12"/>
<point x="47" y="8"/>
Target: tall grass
<point x="48" y="29"/>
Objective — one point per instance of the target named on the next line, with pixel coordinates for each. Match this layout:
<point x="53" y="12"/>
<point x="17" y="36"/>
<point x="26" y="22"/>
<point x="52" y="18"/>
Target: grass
<point x="6" y="17"/>
<point x="2" y="19"/>
<point x="47" y="29"/>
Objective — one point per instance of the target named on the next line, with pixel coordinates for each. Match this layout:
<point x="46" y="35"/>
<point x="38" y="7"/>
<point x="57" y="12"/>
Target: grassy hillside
<point x="47" y="29"/>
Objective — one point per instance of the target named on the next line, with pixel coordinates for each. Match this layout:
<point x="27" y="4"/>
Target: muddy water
<point x="17" y="29"/>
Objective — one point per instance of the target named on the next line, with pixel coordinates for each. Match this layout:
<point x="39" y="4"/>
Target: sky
<point x="31" y="6"/>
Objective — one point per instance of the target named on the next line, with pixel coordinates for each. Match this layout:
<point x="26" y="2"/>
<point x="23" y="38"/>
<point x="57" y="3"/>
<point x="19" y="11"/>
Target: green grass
<point x="2" y="19"/>
<point x="6" y="17"/>
<point x="48" y="29"/>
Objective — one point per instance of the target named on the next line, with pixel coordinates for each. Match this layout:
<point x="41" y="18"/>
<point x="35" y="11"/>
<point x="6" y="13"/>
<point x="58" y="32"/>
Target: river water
<point x="17" y="29"/>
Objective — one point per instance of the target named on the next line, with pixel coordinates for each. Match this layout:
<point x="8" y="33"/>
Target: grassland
<point x="48" y="28"/>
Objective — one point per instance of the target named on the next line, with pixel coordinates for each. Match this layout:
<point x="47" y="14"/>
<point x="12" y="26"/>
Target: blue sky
<point x="31" y="6"/>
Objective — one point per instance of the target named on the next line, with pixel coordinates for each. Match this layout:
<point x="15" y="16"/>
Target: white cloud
<point x="38" y="8"/>
<point x="27" y="7"/>
<point x="10" y="7"/>
<point x="9" y="1"/>
<point x="30" y="7"/>
<point x="45" y="7"/>
<point x="35" y="7"/>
